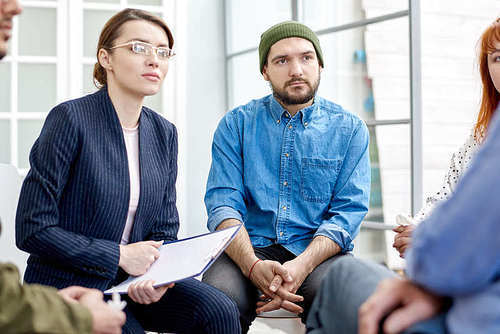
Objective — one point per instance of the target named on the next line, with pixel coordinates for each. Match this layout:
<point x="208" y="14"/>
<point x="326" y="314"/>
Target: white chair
<point x="277" y="322"/>
<point x="10" y="187"/>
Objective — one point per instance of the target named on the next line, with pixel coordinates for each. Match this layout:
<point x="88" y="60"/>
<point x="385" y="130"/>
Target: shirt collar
<point x="277" y="111"/>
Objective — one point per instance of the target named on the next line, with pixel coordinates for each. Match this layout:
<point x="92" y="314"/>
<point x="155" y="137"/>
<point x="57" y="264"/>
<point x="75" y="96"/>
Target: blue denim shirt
<point x="290" y="179"/>
<point x="456" y="250"/>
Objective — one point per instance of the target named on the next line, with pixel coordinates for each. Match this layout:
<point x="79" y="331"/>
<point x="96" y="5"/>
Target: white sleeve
<point x="460" y="160"/>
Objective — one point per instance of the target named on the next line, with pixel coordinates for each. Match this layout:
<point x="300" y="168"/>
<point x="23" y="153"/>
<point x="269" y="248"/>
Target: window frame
<point x="69" y="61"/>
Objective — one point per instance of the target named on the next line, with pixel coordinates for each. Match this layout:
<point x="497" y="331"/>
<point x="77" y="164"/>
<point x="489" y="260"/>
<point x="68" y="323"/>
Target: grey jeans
<point x="226" y="276"/>
<point x="348" y="283"/>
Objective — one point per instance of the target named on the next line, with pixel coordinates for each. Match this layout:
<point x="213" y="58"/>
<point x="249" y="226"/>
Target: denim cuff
<point x="218" y="215"/>
<point x="338" y="235"/>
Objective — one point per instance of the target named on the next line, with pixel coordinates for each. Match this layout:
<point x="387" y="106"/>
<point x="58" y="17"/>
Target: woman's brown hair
<point x="112" y="30"/>
<point x="490" y="96"/>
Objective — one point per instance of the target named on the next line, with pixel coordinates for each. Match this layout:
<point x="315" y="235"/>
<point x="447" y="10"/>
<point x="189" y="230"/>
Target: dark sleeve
<point x="32" y="308"/>
<point x="167" y="224"/>
<point x="38" y="229"/>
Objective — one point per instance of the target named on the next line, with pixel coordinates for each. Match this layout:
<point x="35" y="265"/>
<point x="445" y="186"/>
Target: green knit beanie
<point x="285" y="30"/>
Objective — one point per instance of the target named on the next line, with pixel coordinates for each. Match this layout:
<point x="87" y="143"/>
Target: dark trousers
<point x="226" y="276"/>
<point x="189" y="307"/>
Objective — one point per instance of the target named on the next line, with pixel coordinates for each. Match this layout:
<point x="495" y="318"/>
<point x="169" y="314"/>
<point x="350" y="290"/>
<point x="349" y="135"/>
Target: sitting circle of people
<point x="292" y="167"/>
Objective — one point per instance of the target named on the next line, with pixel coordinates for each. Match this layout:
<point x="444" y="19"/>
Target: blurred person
<point x="100" y="199"/>
<point x="453" y="267"/>
<point x="461" y="159"/>
<point x="32" y="308"/>
<point x="294" y="168"/>
<point x="8" y="9"/>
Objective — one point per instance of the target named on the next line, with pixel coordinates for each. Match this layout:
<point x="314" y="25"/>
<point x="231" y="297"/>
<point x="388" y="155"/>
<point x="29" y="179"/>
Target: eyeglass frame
<point x="153" y="48"/>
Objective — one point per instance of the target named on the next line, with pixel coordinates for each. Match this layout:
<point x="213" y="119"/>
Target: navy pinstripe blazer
<point x="74" y="200"/>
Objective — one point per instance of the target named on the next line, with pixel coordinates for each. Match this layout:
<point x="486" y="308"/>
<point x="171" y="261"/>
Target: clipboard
<point x="182" y="259"/>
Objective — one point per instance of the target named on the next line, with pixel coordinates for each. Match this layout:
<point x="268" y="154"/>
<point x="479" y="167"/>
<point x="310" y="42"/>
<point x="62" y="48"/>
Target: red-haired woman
<point x="489" y="68"/>
<point x="100" y="196"/>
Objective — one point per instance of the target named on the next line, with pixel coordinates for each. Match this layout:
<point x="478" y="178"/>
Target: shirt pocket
<point x="318" y="177"/>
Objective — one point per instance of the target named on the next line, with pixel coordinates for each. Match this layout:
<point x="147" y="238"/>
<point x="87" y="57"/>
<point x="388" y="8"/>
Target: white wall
<point x="205" y="105"/>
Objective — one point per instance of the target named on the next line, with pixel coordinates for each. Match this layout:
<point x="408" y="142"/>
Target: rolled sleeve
<point x="337" y="234"/>
<point x="220" y="214"/>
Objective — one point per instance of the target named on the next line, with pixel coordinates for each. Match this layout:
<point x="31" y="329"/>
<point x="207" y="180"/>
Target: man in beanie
<point x="294" y="169"/>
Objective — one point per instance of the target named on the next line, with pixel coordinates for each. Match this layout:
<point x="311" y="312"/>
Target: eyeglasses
<point x="147" y="49"/>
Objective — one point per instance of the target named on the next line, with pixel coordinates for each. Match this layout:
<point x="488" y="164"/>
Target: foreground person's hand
<point x="404" y="304"/>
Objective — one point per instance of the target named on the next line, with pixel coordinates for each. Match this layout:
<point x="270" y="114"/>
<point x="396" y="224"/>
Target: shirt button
<point x="281" y="233"/>
<point x="289" y="126"/>
<point x="284" y="207"/>
<point x="287" y="155"/>
<point x="285" y="183"/>
<point x="305" y="123"/>
<point x="278" y="121"/>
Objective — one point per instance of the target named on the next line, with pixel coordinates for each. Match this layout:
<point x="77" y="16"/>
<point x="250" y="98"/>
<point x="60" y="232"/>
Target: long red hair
<point x="490" y="96"/>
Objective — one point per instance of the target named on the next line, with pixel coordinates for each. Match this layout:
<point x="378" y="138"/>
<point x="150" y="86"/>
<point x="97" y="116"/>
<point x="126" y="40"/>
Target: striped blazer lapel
<point x="151" y="183"/>
<point x="117" y="158"/>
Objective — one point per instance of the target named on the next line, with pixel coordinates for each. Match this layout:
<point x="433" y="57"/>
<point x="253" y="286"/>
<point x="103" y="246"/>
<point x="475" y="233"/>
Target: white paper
<point x="378" y="226"/>
<point x="404" y="220"/>
<point x="182" y="259"/>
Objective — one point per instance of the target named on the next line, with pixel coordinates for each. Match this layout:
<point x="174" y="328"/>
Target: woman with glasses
<point x="99" y="199"/>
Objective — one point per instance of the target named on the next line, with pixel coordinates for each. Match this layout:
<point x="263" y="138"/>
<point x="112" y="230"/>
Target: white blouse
<point x="131" y="137"/>
<point x="460" y="160"/>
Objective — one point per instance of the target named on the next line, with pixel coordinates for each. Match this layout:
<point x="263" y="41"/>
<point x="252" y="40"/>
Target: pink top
<point x="132" y="144"/>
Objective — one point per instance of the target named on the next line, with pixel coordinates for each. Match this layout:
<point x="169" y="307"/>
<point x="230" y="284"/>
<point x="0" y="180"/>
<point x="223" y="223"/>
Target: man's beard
<point x="283" y="96"/>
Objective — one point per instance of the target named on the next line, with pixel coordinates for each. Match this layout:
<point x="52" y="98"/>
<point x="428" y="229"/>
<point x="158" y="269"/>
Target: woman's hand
<point x="402" y="239"/>
<point x="136" y="258"/>
<point x="144" y="292"/>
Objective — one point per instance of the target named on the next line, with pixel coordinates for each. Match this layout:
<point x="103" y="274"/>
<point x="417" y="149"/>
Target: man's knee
<point x="351" y="281"/>
<point x="342" y="268"/>
<point x="227" y="277"/>
<point x="313" y="282"/>
<point x="348" y="269"/>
